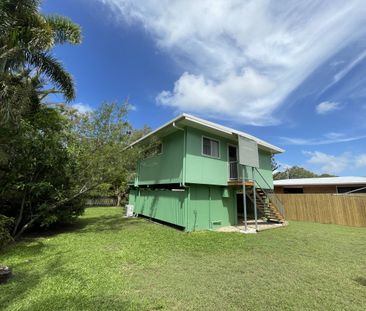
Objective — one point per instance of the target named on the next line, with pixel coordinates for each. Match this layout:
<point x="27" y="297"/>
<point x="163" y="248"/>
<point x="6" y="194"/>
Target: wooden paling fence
<point x="347" y="210"/>
<point x="101" y="201"/>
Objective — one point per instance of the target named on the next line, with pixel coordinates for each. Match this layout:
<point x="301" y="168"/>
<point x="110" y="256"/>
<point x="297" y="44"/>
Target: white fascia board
<point x="211" y="125"/>
<point x="155" y="131"/>
<point x="321" y="181"/>
<point x="231" y="131"/>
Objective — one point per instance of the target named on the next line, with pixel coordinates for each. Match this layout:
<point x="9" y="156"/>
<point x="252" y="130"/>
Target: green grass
<point x="106" y="262"/>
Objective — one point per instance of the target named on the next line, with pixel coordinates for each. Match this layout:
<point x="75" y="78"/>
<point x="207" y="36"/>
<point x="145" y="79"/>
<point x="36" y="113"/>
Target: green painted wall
<point x="164" y="168"/>
<point x="132" y="195"/>
<point x="164" y="205"/>
<point x="199" y="207"/>
<point x="201" y="169"/>
<point x="208" y="209"/>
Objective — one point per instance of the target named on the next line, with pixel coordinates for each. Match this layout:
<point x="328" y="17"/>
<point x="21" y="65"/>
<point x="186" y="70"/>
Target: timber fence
<point x="349" y="210"/>
<point x="101" y="201"/>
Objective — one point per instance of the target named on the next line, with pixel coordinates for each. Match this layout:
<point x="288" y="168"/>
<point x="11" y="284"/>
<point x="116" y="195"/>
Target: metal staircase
<point x="266" y="206"/>
<point x="267" y="203"/>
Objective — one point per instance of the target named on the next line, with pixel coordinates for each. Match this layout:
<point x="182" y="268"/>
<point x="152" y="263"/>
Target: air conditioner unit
<point x="130" y="210"/>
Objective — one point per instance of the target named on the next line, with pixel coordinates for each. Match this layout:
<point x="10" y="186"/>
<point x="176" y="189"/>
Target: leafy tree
<point x="36" y="171"/>
<point x="101" y="140"/>
<point x="275" y="166"/>
<point x="51" y="157"/>
<point x="56" y="156"/>
<point x="117" y="184"/>
<point x="326" y="175"/>
<point x="35" y="163"/>
<point x="297" y="172"/>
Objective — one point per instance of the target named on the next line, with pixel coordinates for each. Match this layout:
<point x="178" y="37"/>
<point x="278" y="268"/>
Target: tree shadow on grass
<point x="89" y="224"/>
<point x="108" y="223"/>
<point x="19" y="290"/>
<point x="81" y="302"/>
<point x="37" y="262"/>
<point x="17" y="287"/>
<point x="25" y="278"/>
<point x="361" y="280"/>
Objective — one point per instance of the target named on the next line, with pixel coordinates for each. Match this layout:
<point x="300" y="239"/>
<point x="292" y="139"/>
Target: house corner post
<point x="244" y="200"/>
<point x="255" y="200"/>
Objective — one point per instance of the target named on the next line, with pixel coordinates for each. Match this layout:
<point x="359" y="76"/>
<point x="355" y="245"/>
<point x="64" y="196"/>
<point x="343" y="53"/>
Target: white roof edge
<point x="233" y="131"/>
<point x="157" y="130"/>
<point x="345" y="180"/>
<point x="212" y="125"/>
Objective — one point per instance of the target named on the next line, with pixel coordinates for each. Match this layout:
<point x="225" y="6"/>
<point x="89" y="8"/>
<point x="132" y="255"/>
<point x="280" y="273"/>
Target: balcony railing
<point x="233" y="170"/>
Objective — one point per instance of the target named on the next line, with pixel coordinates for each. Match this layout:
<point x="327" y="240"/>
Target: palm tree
<point x="26" y="40"/>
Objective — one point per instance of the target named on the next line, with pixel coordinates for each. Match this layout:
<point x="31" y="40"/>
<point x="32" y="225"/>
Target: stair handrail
<point x="355" y="190"/>
<point x="271" y="195"/>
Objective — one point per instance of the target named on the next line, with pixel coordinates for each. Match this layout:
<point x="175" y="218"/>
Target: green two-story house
<point x="194" y="180"/>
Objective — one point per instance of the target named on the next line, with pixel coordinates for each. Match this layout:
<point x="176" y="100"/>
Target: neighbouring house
<point x="347" y="184"/>
<point x="193" y="177"/>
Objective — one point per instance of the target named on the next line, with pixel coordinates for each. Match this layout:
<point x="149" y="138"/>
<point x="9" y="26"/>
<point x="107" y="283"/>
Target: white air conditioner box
<point x="129" y="210"/>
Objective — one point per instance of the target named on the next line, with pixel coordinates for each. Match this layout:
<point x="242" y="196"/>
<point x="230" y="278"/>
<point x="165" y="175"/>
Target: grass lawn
<point x="106" y="262"/>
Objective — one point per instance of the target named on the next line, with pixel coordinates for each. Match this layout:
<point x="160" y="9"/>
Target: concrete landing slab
<point x="262" y="225"/>
<point x="248" y="231"/>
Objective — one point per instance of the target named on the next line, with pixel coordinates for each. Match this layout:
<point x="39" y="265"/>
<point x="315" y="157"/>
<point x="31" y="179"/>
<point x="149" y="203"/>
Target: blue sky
<point x="289" y="72"/>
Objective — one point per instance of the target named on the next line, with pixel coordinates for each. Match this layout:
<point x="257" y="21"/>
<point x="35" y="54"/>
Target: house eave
<point x="213" y="126"/>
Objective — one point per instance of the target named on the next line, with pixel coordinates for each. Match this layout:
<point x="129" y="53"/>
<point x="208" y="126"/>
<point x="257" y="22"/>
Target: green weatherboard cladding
<point x="205" y="201"/>
<point x="165" y="168"/>
<point x="165" y="205"/>
<point x="202" y="169"/>
<point x="198" y="207"/>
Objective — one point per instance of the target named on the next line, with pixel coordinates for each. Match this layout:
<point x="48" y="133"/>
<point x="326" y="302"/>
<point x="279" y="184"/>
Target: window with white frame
<point x="210" y="147"/>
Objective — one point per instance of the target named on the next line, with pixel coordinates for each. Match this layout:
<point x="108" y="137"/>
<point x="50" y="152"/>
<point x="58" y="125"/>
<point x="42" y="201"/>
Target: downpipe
<point x="183" y="184"/>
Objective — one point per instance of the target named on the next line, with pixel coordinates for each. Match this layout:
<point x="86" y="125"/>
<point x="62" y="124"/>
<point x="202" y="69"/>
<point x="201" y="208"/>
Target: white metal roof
<point x="211" y="125"/>
<point x="346" y="180"/>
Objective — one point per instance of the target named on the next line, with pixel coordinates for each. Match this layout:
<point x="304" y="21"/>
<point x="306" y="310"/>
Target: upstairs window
<point x="210" y="147"/>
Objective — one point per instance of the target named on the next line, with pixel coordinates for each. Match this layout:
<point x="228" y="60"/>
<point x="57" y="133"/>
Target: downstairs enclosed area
<point x="201" y="207"/>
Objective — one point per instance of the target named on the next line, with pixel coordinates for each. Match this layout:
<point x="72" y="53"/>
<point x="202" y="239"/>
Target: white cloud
<point x="360" y="161"/>
<point x="132" y="107"/>
<point x="326" y="107"/>
<point x="337" y="63"/>
<point x="345" y="71"/>
<point x="192" y="91"/>
<point x="335" y="135"/>
<point x="341" y="74"/>
<point x="335" y="164"/>
<point x="241" y="59"/>
<point x="329" y="163"/>
<point x="327" y="139"/>
<point x="282" y="167"/>
<point x="82" y="108"/>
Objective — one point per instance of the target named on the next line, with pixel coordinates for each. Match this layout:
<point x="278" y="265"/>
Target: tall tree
<point x="35" y="163"/>
<point x="26" y="40"/>
<point x="101" y="140"/>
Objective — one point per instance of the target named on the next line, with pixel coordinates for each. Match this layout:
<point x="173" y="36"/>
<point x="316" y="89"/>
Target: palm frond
<point x="54" y="70"/>
<point x="64" y="30"/>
